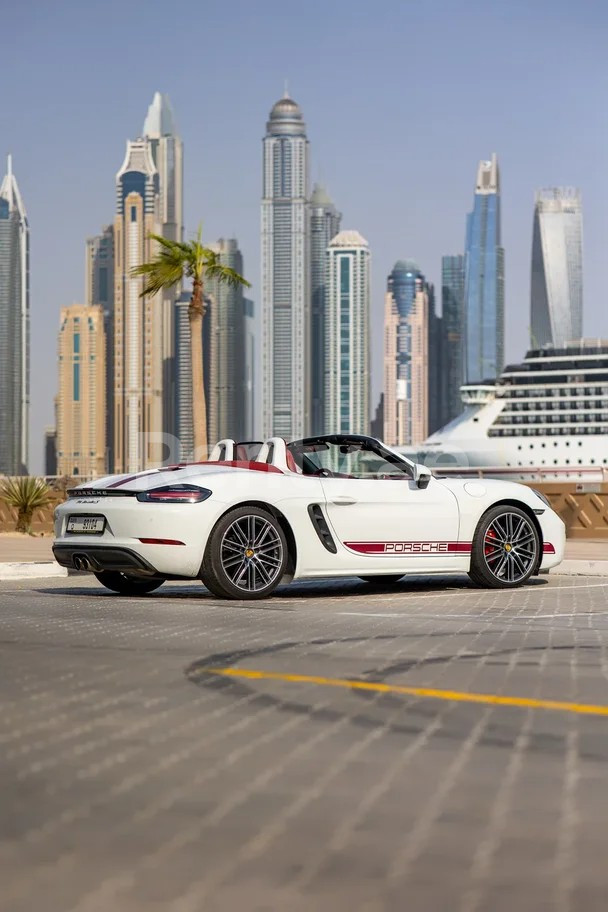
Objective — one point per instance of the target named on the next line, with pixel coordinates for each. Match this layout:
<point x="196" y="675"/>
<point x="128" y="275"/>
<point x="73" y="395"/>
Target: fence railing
<point x="525" y="473"/>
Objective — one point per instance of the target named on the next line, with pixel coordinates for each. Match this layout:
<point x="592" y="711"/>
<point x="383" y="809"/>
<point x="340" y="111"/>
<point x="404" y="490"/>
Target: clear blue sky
<point x="401" y="100"/>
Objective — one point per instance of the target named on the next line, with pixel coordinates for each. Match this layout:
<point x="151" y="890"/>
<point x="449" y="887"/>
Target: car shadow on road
<point x="302" y="590"/>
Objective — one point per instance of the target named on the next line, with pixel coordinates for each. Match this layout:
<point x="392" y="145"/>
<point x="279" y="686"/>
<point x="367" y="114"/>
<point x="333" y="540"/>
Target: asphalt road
<point x="434" y="748"/>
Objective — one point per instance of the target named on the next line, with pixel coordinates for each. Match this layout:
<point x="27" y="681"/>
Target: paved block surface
<point x="173" y="752"/>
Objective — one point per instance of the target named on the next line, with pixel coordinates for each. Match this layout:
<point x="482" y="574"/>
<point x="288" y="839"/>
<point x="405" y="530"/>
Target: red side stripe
<point x="409" y="548"/>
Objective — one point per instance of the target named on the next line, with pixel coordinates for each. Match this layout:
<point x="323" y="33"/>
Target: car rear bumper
<point x="97" y="558"/>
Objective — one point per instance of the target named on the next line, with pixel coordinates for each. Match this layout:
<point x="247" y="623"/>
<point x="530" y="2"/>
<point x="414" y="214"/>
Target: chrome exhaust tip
<point x="81" y="562"/>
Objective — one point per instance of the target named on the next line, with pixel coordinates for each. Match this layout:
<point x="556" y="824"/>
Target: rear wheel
<point x="383" y="579"/>
<point x="246" y="555"/>
<point x="506" y="548"/>
<point x="127" y="585"/>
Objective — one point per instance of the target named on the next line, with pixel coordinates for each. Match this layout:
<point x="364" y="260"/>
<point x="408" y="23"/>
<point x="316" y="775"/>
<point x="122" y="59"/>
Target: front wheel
<point x="127" y="585"/>
<point x="246" y="555"/>
<point x="506" y="548"/>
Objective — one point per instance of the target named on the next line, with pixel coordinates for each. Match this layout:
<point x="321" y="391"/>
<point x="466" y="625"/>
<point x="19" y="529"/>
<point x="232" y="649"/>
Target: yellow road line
<point x="427" y="692"/>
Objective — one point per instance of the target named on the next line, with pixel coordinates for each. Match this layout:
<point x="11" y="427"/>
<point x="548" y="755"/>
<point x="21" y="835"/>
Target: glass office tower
<point x="484" y="279"/>
<point x="556" y="286"/>
<point x="14" y="328"/>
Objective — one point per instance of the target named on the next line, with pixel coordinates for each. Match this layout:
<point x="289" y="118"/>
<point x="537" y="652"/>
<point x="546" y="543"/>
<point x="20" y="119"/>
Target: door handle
<point x="343" y="501"/>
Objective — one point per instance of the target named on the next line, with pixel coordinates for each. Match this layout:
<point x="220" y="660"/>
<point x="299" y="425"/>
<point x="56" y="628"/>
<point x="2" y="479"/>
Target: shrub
<point x="25" y="494"/>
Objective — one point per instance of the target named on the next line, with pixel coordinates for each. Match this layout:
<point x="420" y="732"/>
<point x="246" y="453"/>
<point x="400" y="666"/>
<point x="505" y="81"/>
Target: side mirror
<point x="422" y="475"/>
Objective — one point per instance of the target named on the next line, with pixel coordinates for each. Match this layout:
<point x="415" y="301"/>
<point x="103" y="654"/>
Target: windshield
<point x="343" y="457"/>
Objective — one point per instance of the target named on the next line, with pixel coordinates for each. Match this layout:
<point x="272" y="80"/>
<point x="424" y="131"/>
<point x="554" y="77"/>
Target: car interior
<point x="328" y="456"/>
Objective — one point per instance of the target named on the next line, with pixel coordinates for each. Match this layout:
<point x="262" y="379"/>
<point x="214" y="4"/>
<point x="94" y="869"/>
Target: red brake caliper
<point x="488" y="549"/>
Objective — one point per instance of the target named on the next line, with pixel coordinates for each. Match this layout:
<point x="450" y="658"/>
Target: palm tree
<point x="25" y="494"/>
<point x="174" y="261"/>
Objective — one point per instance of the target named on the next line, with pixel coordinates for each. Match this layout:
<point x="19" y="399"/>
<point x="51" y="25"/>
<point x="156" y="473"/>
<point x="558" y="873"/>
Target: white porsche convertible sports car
<point x="329" y="506"/>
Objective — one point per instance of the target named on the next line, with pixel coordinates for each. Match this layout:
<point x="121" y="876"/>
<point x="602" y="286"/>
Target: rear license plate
<point x="86" y="524"/>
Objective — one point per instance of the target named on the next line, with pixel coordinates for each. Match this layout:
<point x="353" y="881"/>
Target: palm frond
<point x="225" y="275"/>
<point x="167" y="244"/>
<point x="171" y="262"/>
<point x="159" y="274"/>
<point x="176" y="259"/>
<point x="25" y="493"/>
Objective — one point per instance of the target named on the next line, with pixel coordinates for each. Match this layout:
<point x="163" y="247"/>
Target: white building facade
<point x="138" y="324"/>
<point x="285" y="229"/>
<point x="556" y="284"/>
<point x="347" y="348"/>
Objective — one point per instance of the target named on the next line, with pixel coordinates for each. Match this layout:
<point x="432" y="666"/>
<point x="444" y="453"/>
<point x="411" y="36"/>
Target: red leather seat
<point x="291" y="463"/>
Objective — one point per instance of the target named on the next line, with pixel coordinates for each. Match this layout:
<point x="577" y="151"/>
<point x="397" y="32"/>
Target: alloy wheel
<point x="510" y="547"/>
<point x="251" y="552"/>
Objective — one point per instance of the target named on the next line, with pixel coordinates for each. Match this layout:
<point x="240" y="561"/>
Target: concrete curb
<point x="581" y="568"/>
<point x="22" y="570"/>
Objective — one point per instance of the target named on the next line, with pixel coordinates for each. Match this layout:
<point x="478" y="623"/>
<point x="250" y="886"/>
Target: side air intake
<point x="321" y="528"/>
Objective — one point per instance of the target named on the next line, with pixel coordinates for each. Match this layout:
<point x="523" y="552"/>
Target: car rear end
<point x="155" y="524"/>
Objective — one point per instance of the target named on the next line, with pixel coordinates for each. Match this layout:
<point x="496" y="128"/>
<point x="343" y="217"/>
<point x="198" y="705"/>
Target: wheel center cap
<point x="508" y="547"/>
<point x="249" y="552"/>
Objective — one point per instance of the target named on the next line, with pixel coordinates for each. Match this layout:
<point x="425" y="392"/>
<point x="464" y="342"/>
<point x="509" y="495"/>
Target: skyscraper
<point x="395" y="401"/>
<point x="324" y="225"/>
<point x="484" y="279"/>
<point x="99" y="292"/>
<point x="168" y="156"/>
<point x="347" y="352"/>
<point x="285" y="274"/>
<point x="138" y="325"/>
<point x="250" y="379"/>
<point x="99" y="270"/>
<point x="226" y="405"/>
<point x="184" y="428"/>
<point x="452" y="310"/>
<point x="50" y="450"/>
<point x="81" y="402"/>
<point x="556" y="287"/>
<point x="414" y="360"/>
<point x="402" y="286"/>
<point x="437" y="364"/>
<point x="14" y="328"/>
<point x="377" y="422"/>
<point x="419" y="321"/>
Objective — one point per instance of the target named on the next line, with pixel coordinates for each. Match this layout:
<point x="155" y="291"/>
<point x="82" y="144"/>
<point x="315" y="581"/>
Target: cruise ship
<point x="546" y="418"/>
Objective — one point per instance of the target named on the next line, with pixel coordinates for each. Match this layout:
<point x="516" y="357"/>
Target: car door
<point x="387" y="520"/>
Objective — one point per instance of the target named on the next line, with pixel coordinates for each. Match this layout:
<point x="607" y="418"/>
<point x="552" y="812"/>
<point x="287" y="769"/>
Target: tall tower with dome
<point x="286" y="343"/>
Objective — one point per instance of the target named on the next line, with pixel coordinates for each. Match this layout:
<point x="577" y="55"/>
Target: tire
<point x="383" y="579"/>
<point x="246" y="555"/>
<point x="127" y="585"/>
<point x="506" y="548"/>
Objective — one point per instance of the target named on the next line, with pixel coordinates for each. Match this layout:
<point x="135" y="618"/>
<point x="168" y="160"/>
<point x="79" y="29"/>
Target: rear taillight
<point x="175" y="494"/>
